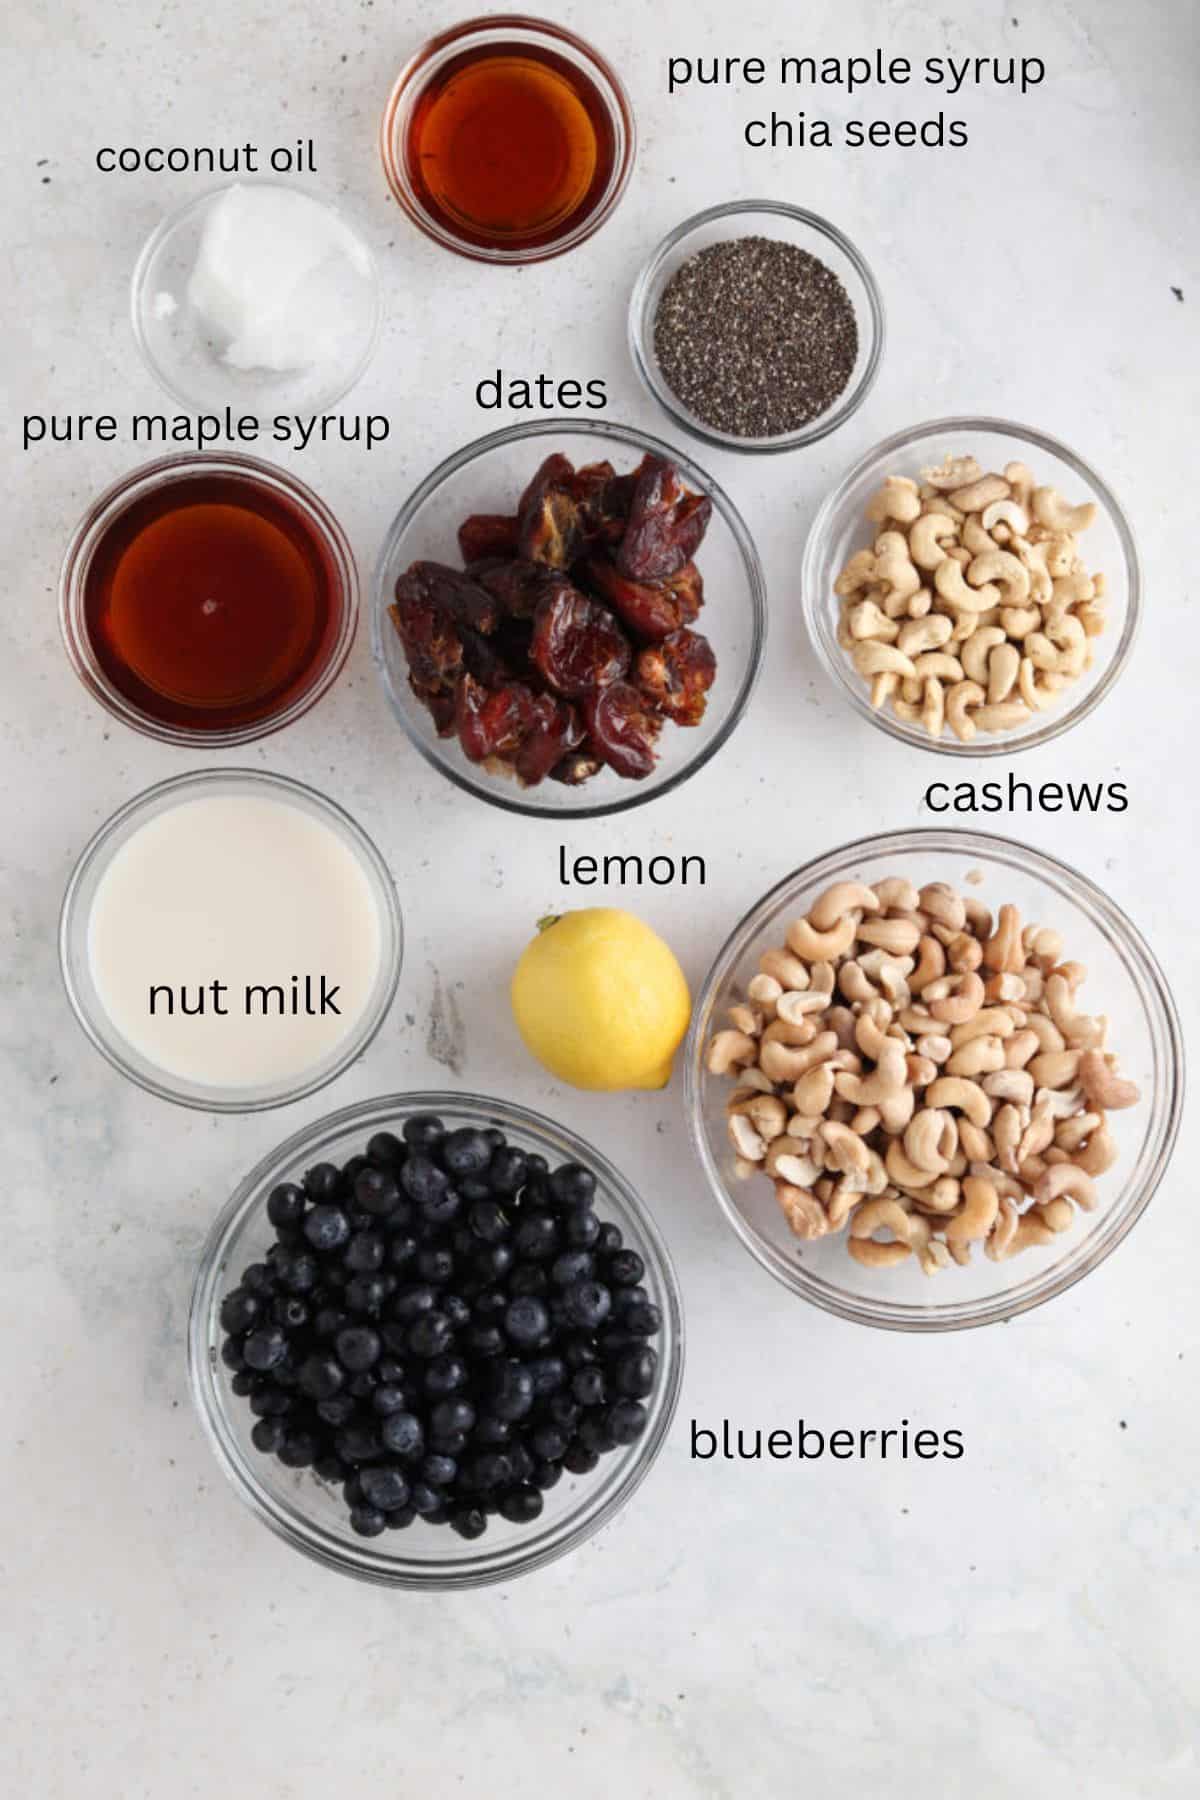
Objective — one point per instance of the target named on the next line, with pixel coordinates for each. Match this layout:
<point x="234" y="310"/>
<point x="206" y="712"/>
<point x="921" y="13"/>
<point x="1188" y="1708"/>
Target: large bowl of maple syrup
<point x="508" y="139"/>
<point x="208" y="600"/>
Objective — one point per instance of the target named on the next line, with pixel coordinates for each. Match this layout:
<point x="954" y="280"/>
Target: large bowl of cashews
<point x="972" y="587"/>
<point x="934" y="1078"/>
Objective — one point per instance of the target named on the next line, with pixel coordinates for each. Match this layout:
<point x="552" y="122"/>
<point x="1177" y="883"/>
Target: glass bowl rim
<point x="124" y="492"/>
<point x="638" y="327"/>
<point x="485" y="1566"/>
<point x="195" y="203"/>
<point x="383" y="887"/>
<point x="840" y="671"/>
<point x="410" y="84"/>
<point x="1166" y="1103"/>
<point x="638" y="440"/>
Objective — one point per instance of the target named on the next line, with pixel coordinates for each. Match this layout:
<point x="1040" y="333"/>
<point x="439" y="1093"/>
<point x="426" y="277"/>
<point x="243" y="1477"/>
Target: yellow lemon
<point x="600" y="1000"/>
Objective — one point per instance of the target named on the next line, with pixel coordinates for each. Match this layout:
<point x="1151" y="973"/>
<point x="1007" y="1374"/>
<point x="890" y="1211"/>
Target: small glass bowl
<point x="311" y="1516"/>
<point x="1124" y="981"/>
<point x="176" y="342"/>
<point x="487" y="477"/>
<point x="841" y="527"/>
<point x="102" y="515"/>
<point x="89" y="1008"/>
<point x="790" y="225"/>
<point x="504" y="30"/>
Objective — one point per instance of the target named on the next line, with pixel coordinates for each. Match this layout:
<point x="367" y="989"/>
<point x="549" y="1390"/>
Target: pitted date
<point x="564" y="644"/>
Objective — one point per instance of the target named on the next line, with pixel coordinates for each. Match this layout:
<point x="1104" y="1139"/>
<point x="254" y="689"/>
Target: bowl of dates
<point x="569" y="617"/>
<point x="435" y="1341"/>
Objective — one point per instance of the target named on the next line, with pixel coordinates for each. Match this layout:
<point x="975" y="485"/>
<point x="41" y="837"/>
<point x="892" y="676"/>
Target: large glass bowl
<point x="310" y="1515"/>
<point x="841" y="527"/>
<point x="1124" y="981"/>
<point x="790" y="225"/>
<point x="488" y="476"/>
<point x="85" y="996"/>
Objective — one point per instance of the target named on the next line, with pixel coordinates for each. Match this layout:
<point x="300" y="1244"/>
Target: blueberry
<point x="473" y="1187"/>
<point x="489" y="1221"/>
<point x="466" y="1151"/>
<point x="401" y="1249"/>
<point x="578" y="1350"/>
<point x="451" y="1416"/>
<point x="562" y="1410"/>
<point x="376" y="1192"/>
<point x="439" y="1471"/>
<point x="642" y="1319"/>
<point x="546" y="1475"/>
<point x="270" y="1402"/>
<point x="357" y="1442"/>
<point x="526" y="1322"/>
<point x="589" y="1386"/>
<point x="366" y="1294"/>
<point x="446" y="1375"/>
<point x="581" y="1228"/>
<point x="536" y="1237"/>
<point x="290" y="1311"/>
<point x="549" y="1443"/>
<point x="610" y="1239"/>
<point x="367" y="1521"/>
<point x="423" y="1498"/>
<point x="572" y="1185"/>
<point x="328" y="1321"/>
<point x="389" y="1368"/>
<point x="358" y="1347"/>
<point x="442" y="1210"/>
<point x="491" y="1469"/>
<point x="265" y="1348"/>
<point x="384" y="1486"/>
<point x="522" y="1462"/>
<point x="435" y="1265"/>
<point x="635" y="1372"/>
<point x="362" y="1385"/>
<point x="322" y="1183"/>
<point x="626" y="1421"/>
<point x="298" y="1450"/>
<point x="365" y="1252"/>
<point x="321" y="1376"/>
<point x="456" y="1310"/>
<point x="267" y="1435"/>
<point x="430" y="1335"/>
<point x="588" y="1304"/>
<point x="258" y="1278"/>
<point x="423" y="1181"/>
<point x="624" y="1268"/>
<point x="469" y="1521"/>
<point x="453" y="1443"/>
<point x="326" y="1228"/>
<point x="511" y="1391"/>
<point x="285" y="1205"/>
<point x="330" y="1468"/>
<point x="401" y="1518"/>
<point x="424" y="1131"/>
<point x="529" y="1278"/>
<point x="232" y="1354"/>
<point x="570" y="1267"/>
<point x="351" y="1171"/>
<point x="402" y="1433"/>
<point x="337" y="1412"/>
<point x="490" y="1431"/>
<point x="239" y="1309"/>
<point x="384" y="1149"/>
<point x="300" y="1273"/>
<point x="579" y="1459"/>
<point x="549" y="1374"/>
<point x="493" y="1261"/>
<point x="521" y="1505"/>
<point x="507" y="1170"/>
<point x="594" y="1434"/>
<point x="389" y="1397"/>
<point x="484" y="1340"/>
<point x="244" y="1381"/>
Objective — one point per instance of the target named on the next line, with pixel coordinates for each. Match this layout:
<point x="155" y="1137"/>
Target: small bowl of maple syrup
<point x="208" y="600"/>
<point x="508" y="139"/>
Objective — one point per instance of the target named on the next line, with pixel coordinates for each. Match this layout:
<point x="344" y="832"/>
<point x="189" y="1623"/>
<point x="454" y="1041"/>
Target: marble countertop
<point x="1023" y="1621"/>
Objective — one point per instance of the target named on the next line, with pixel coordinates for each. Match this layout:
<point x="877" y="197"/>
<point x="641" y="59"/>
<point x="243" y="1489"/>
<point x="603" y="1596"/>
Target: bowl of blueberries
<point x="435" y="1340"/>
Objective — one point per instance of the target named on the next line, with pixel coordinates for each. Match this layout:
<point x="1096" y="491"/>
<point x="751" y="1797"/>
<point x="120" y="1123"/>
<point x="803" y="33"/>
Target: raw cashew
<point x="1005" y="512"/>
<point x="728" y="1049"/>
<point x="1067" y="1178"/>
<point x="898" y="498"/>
<point x="1105" y="1089"/>
<point x="842" y="897"/>
<point x="804" y="1213"/>
<point x="966" y="694"/>
<point x="813" y="946"/>
<point x="951" y="585"/>
<point x="872" y="657"/>
<point x="981" y="1204"/>
<point x="1052" y="511"/>
<point x="877" y="1215"/>
<point x="1006" y="570"/>
<point x="980" y="493"/>
<point x="963" y="1096"/>
<point x="926" y="538"/>
<point x="786" y="1064"/>
<point x="955" y="472"/>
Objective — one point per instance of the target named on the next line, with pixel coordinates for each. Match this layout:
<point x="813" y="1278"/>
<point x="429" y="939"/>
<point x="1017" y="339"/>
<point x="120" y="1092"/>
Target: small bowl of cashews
<point x="972" y="587"/>
<point x="933" y="1079"/>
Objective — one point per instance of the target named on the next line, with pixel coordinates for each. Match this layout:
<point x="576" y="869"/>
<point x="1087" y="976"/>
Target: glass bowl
<point x="85" y="997"/>
<point x="515" y="31"/>
<point x="310" y="1515"/>
<point x="1123" y="981"/>
<point x="487" y="477"/>
<point x="328" y="541"/>
<point x="841" y="527"/>
<point x="177" y="342"/>
<point x="790" y="225"/>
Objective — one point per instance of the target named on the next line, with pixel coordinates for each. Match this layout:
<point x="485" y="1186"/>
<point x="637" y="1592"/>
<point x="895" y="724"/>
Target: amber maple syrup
<point x="510" y="147"/>
<point x="210" y="602"/>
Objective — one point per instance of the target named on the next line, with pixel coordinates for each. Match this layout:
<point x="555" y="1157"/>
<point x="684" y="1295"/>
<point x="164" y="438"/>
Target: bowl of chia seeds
<point x="757" y="326"/>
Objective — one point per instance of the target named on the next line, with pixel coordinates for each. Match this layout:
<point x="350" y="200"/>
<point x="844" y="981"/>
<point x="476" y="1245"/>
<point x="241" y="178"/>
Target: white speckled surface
<point x="1021" y="1622"/>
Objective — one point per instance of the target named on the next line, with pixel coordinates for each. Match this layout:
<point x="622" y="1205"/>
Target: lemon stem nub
<point x="549" y="920"/>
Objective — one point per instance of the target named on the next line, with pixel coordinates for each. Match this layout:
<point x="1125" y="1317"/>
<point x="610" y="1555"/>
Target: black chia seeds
<point x="756" y="337"/>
